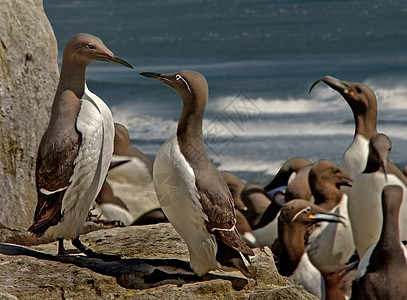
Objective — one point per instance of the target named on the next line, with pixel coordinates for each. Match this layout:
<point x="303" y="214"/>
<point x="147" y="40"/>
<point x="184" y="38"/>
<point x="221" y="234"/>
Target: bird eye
<point x="90" y="46"/>
<point x="358" y="90"/>
<point x="307" y="209"/>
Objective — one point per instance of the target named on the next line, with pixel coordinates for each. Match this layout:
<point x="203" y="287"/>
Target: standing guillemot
<point x="192" y="192"/>
<point x="363" y="104"/>
<point x="382" y="272"/>
<point x="76" y="148"/>
<point x="364" y="203"/>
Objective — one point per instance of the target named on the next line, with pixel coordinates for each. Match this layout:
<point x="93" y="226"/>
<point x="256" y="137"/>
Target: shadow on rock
<point x="131" y="273"/>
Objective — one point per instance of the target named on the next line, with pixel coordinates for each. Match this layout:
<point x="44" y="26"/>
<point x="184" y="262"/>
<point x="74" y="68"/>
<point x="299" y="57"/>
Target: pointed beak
<point x="334" y="83"/>
<point x="115" y="164"/>
<point x="157" y="76"/>
<point x="118" y="61"/>
<point x="351" y="266"/>
<point x="327" y="217"/>
<point x="345" y="181"/>
<point x="347" y="268"/>
<point x="152" y="75"/>
<point x="383" y="162"/>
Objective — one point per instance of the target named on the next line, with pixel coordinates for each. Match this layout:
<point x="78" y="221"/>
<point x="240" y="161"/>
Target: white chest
<point x="95" y="124"/>
<point x="174" y="182"/>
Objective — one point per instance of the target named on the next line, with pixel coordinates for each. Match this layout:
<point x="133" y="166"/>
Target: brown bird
<point x="76" y="148"/>
<point x="330" y="243"/>
<point x="192" y="192"/>
<point x="385" y="277"/>
<point x="291" y="258"/>
<point x="338" y="280"/>
<point x="363" y="103"/>
<point x="291" y="166"/>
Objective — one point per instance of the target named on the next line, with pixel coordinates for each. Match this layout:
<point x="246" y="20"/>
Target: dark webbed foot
<point x="89" y="253"/>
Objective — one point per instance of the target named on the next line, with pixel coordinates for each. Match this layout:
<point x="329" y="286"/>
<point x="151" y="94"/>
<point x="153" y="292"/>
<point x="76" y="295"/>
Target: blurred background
<point x="260" y="59"/>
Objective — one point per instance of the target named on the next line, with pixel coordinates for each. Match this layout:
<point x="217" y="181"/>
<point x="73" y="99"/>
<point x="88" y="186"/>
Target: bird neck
<point x="365" y="124"/>
<point x="388" y="249"/>
<point x="269" y="215"/>
<point x="72" y="78"/>
<point x="189" y="132"/>
<point x="327" y="196"/>
<point x="190" y="122"/>
<point x="333" y="292"/>
<point x="291" y="246"/>
<point x="372" y="166"/>
<point x="70" y="90"/>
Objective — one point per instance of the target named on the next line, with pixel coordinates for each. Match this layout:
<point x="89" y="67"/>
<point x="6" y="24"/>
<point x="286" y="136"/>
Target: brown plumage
<point x="362" y="101"/>
<point x="122" y="147"/>
<point x="63" y="142"/>
<point x="298" y="188"/>
<point x="235" y="186"/>
<point x="289" y="167"/>
<point x="338" y="280"/>
<point x="216" y="204"/>
<point x="325" y="179"/>
<point x="386" y="274"/>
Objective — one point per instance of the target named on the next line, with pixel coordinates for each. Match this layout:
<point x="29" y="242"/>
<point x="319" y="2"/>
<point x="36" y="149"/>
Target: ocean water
<point x="259" y="58"/>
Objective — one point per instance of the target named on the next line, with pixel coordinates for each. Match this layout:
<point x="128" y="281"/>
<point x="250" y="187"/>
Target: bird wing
<point x="55" y="165"/>
<point x="217" y="204"/>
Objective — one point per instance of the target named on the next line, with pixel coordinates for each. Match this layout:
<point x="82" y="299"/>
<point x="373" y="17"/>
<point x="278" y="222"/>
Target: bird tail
<point x="230" y="257"/>
<point x="233" y="240"/>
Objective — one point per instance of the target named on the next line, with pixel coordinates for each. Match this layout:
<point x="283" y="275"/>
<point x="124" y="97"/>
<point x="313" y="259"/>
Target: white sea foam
<point x="239" y="116"/>
<point x="233" y="164"/>
<point x="241" y="104"/>
<point x="144" y="127"/>
<point x="227" y="128"/>
<point x="390" y="98"/>
<point x="322" y="99"/>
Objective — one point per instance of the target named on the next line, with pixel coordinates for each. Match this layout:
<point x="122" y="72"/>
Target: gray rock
<point x="154" y="265"/>
<point x="28" y="79"/>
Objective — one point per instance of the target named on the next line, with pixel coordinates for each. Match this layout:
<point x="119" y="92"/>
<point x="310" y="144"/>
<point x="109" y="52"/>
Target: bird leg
<point x="90" y="253"/>
<point x="61" y="249"/>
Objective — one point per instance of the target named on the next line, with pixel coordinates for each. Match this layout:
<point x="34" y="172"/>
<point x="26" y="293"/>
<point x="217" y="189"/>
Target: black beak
<point x="115" y="164"/>
<point x="152" y="75"/>
<point x="334" y="83"/>
<point x="383" y="163"/>
<point x="163" y="78"/>
<point x="118" y="61"/>
<point x="351" y="266"/>
<point x="346" y="181"/>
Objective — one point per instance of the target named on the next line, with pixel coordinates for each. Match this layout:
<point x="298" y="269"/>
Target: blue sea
<point x="260" y="59"/>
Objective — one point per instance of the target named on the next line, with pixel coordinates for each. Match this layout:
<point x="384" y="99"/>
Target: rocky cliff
<point x="154" y="265"/>
<point x="28" y="79"/>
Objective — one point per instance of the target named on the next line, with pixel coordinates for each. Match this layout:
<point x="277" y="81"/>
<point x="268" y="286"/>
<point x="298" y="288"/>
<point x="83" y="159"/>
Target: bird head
<point x="359" y="96"/>
<point x="85" y="48"/>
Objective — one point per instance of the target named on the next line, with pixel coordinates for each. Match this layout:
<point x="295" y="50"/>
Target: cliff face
<point x="28" y="79"/>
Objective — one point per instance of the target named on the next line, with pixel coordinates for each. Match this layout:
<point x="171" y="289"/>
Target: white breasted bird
<point x="192" y="192"/>
<point x="76" y="148"/>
